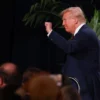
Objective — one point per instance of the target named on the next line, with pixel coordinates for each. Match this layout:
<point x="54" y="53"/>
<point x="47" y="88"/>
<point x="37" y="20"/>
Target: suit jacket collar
<point x="78" y="28"/>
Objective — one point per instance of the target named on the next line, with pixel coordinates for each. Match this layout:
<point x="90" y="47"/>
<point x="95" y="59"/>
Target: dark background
<point x="27" y="46"/>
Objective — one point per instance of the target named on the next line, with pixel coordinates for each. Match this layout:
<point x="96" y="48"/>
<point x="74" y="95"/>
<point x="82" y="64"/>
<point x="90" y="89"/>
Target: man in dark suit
<point x="82" y="62"/>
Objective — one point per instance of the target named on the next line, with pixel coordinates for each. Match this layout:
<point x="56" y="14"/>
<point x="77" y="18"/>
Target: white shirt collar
<point x="78" y="28"/>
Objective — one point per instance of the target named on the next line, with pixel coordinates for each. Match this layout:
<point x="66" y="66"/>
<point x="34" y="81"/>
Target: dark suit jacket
<point x="82" y="61"/>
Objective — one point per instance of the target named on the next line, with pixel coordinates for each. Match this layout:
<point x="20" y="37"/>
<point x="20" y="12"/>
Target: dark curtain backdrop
<point x="27" y="46"/>
<point x="6" y="29"/>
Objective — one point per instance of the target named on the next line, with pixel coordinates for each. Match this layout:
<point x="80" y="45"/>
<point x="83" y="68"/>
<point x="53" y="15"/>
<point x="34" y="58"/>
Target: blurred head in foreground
<point x="44" y="88"/>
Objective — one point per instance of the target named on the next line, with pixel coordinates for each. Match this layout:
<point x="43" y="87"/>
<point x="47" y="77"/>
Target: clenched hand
<point x="48" y="26"/>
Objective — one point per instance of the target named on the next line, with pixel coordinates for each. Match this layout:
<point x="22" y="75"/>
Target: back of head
<point x="29" y="73"/>
<point x="70" y="93"/>
<point x="43" y="88"/>
<point x="75" y="12"/>
<point x="9" y="68"/>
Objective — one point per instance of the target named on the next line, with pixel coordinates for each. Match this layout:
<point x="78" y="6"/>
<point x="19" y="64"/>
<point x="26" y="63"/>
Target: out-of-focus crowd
<point x="34" y="84"/>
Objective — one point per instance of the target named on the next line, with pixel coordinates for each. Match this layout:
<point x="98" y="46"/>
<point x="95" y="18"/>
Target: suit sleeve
<point x="69" y="46"/>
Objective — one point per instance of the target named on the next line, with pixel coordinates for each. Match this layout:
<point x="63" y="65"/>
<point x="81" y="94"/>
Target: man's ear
<point x="1" y="81"/>
<point x="76" y="20"/>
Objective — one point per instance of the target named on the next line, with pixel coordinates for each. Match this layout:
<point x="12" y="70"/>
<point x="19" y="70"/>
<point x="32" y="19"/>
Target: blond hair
<point x="75" y="12"/>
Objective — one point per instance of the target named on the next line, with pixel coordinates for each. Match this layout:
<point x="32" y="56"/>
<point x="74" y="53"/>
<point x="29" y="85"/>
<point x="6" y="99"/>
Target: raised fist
<point x="48" y="26"/>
